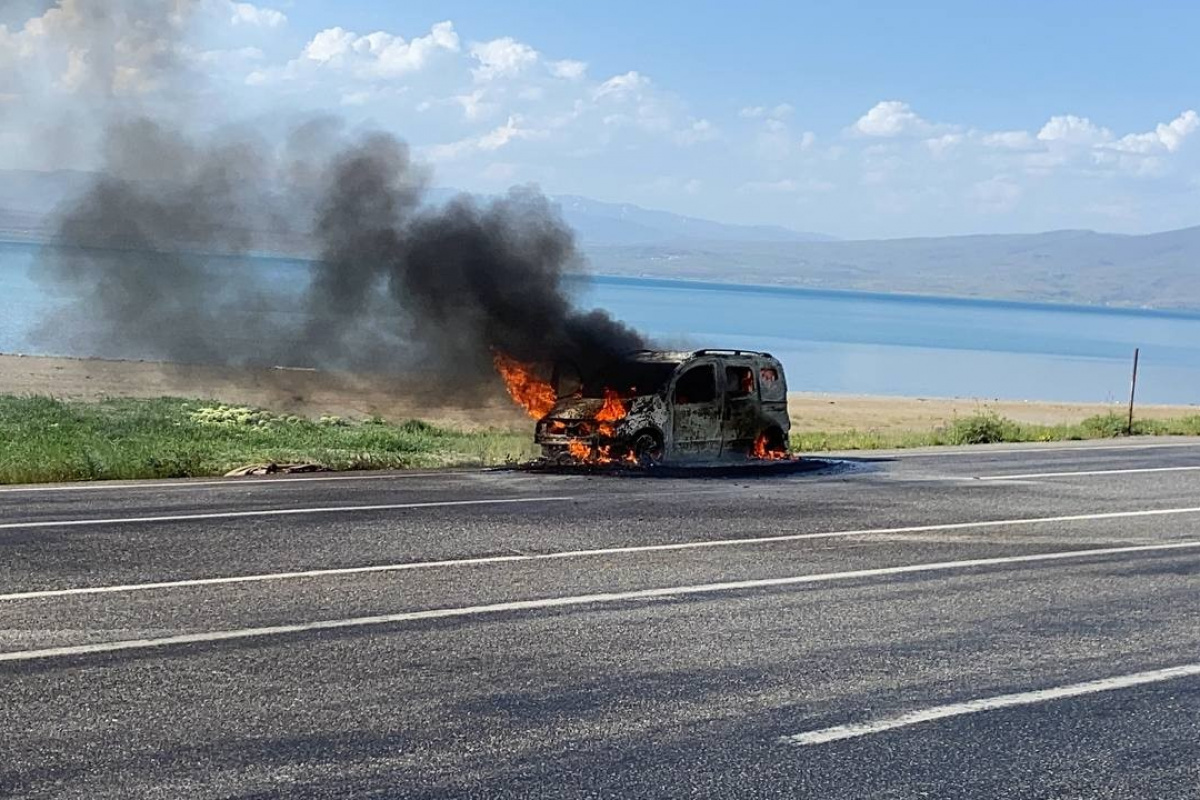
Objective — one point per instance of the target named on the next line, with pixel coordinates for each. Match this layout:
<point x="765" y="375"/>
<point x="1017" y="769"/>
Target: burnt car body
<point x="672" y="407"/>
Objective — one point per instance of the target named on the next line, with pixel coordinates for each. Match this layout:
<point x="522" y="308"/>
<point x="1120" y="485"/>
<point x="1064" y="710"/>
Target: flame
<point x="761" y="450"/>
<point x="602" y="454"/>
<point x="612" y="410"/>
<point x="538" y="398"/>
<point x="530" y="392"/>
<point x="587" y="452"/>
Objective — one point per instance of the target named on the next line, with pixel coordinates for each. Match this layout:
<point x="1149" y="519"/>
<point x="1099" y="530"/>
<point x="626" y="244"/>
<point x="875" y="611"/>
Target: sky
<point x="856" y="119"/>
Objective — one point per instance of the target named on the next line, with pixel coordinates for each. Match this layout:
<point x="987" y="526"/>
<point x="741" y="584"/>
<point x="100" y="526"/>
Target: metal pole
<point x="1132" y="391"/>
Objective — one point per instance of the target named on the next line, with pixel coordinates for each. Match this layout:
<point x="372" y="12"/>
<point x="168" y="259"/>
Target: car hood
<point x="576" y="408"/>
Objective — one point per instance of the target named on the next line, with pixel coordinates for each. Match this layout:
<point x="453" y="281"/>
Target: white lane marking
<point x="1083" y="473"/>
<point x="605" y="551"/>
<point x="272" y="512"/>
<point x="231" y="482"/>
<point x="993" y="450"/>
<point x="578" y="600"/>
<point x="841" y="732"/>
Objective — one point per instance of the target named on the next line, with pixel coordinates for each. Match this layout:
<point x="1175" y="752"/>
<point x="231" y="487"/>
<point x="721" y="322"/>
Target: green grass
<point x="988" y="428"/>
<point x="43" y="439"/>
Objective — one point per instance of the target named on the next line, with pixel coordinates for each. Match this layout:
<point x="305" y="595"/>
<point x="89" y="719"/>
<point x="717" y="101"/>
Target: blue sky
<point x="860" y="119"/>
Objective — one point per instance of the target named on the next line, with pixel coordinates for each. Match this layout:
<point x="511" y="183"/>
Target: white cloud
<point x="756" y="112"/>
<point x="1009" y="140"/>
<point x="330" y="44"/>
<point x="568" y="69"/>
<point x="212" y="58"/>
<point x="502" y="58"/>
<point x="250" y="14"/>
<point x="359" y="98"/>
<point x="473" y="105"/>
<point x="495" y="139"/>
<point x="891" y="118"/>
<point x="60" y="49"/>
<point x="700" y="130"/>
<point x="1042" y="162"/>
<point x="1167" y="136"/>
<point x="784" y="186"/>
<point x="996" y="195"/>
<point x="1070" y="129"/>
<point x="379" y="54"/>
<point x="508" y="132"/>
<point x="942" y="146"/>
<point x="499" y="172"/>
<point x="631" y="84"/>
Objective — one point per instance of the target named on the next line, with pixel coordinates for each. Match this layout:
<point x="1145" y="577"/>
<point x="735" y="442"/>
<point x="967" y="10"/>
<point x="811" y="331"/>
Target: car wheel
<point x="648" y="448"/>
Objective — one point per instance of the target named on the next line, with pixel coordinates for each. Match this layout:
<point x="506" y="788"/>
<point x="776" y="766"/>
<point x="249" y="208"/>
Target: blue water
<point x="834" y="341"/>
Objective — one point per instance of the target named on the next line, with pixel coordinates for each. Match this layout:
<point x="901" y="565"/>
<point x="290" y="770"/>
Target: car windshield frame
<point x="630" y="379"/>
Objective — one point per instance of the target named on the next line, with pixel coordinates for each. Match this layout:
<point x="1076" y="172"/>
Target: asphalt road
<point x="1011" y="622"/>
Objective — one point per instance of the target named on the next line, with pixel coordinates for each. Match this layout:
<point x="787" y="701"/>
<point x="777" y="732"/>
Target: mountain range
<point x="1160" y="270"/>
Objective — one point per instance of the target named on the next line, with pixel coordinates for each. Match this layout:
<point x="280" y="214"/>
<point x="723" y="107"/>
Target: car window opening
<point x="739" y="382"/>
<point x="697" y="385"/>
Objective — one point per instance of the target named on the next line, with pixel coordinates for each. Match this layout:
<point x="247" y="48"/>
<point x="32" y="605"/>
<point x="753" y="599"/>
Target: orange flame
<point x="761" y="449"/>
<point x="538" y="397"/>
<point x="532" y="393"/>
<point x="612" y="410"/>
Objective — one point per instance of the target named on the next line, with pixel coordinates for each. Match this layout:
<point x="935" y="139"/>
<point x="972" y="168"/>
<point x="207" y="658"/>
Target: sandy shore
<point x="403" y="397"/>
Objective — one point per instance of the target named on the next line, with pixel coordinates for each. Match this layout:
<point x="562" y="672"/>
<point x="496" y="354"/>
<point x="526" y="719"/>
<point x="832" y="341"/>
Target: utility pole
<point x="1132" y="391"/>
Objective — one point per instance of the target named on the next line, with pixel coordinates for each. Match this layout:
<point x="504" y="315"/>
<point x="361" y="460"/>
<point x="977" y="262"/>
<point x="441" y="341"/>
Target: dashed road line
<point x="853" y="731"/>
<point x="1082" y="473"/>
<point x="566" y="554"/>
<point x="272" y="512"/>
<point x="577" y="600"/>
<point x="239" y="483"/>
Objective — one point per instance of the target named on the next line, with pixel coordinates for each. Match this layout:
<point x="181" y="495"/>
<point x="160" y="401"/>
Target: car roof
<point x="680" y="356"/>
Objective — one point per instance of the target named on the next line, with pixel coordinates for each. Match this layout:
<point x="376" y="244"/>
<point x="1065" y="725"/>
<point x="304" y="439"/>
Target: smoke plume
<point x="161" y="256"/>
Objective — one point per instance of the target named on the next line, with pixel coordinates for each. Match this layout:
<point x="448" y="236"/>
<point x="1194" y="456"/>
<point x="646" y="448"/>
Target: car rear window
<point x="771" y="385"/>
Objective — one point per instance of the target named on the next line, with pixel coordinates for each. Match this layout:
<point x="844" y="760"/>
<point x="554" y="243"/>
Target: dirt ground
<point x="835" y="413"/>
<point x="292" y="391"/>
<point x="312" y="394"/>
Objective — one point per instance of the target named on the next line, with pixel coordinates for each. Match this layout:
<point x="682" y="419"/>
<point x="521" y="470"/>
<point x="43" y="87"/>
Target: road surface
<point x="993" y="622"/>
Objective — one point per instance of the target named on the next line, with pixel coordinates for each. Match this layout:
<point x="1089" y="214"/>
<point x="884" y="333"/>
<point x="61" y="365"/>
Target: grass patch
<point x="989" y="428"/>
<point x="43" y="439"/>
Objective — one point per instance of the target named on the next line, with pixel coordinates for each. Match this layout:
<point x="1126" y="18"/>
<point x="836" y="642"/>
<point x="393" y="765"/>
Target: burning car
<point x="663" y="407"/>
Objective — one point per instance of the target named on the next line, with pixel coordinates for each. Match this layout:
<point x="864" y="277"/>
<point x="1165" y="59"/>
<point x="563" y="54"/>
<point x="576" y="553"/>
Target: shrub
<point x="984" y="428"/>
<point x="232" y="416"/>
<point x="1105" y="425"/>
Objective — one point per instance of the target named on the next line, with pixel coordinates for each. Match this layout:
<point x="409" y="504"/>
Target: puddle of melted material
<point x="776" y="468"/>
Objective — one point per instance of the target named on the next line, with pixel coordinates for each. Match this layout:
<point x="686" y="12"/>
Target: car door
<point x="696" y="401"/>
<point x="740" y="418"/>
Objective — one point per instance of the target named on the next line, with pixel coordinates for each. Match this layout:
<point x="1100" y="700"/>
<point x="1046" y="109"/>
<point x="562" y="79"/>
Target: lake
<point x="844" y="342"/>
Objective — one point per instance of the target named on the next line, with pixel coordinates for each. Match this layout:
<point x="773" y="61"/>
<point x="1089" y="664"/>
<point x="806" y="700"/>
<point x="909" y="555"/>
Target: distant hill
<point x="28" y="197"/>
<point x="603" y="224"/>
<point x="1156" y="270"/>
<point x="1160" y="270"/>
<point x="599" y="223"/>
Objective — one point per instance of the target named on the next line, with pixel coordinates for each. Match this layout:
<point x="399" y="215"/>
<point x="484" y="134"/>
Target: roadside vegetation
<point x="43" y="439"/>
<point x="990" y="428"/>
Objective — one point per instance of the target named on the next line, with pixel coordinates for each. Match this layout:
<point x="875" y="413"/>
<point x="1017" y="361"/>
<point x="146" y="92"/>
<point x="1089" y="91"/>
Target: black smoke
<point x="158" y="258"/>
<point x="162" y="256"/>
